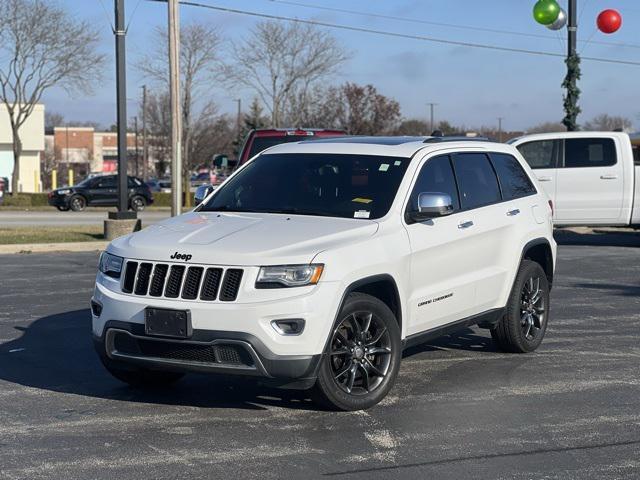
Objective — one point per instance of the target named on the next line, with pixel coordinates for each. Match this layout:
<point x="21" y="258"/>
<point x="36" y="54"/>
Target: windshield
<point x="349" y="186"/>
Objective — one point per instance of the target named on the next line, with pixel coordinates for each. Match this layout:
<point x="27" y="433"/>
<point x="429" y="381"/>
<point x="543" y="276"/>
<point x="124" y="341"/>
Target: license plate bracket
<point x="165" y="322"/>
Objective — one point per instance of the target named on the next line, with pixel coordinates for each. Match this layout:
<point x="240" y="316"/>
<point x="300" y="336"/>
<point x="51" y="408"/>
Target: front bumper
<point x="59" y="200"/>
<point x="222" y="331"/>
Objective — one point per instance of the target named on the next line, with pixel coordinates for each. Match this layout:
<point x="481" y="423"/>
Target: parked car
<point x="100" y="191"/>
<point x="154" y="185"/>
<point x="259" y="140"/>
<point x="319" y="262"/>
<point x="3" y="188"/>
<point x="591" y="177"/>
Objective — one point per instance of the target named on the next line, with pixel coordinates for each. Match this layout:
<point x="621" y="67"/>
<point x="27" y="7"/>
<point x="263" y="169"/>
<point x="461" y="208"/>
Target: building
<point x="84" y="151"/>
<point x="32" y="136"/>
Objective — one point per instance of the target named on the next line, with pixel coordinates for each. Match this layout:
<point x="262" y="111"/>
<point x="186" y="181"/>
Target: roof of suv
<point x="388" y="146"/>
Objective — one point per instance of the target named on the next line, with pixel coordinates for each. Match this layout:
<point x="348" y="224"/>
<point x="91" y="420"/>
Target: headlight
<point x="110" y="265"/>
<point x="289" y="276"/>
<point x="64" y="191"/>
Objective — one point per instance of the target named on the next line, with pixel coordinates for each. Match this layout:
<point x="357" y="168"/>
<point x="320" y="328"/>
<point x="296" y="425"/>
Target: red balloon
<point x="609" y="21"/>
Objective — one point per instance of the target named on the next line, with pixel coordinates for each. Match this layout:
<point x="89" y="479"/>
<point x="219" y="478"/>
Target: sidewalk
<point x="53" y="247"/>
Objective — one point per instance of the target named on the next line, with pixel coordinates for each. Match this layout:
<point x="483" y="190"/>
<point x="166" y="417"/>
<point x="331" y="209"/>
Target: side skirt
<point x="486" y="319"/>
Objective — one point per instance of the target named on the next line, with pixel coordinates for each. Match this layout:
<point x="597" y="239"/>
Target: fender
<point x="533" y="243"/>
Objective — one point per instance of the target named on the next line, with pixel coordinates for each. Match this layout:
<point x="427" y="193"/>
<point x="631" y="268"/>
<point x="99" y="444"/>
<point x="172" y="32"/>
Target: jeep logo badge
<point x="181" y="256"/>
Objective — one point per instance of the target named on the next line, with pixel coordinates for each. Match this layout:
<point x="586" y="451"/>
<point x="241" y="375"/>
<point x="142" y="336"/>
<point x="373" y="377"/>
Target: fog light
<point x="96" y="308"/>
<point x="289" y="326"/>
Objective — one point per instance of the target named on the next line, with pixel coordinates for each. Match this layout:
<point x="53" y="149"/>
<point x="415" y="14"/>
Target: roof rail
<point x="456" y="139"/>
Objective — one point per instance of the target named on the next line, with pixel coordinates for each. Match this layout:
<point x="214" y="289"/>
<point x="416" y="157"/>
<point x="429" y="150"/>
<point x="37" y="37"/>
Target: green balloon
<point x="546" y="12"/>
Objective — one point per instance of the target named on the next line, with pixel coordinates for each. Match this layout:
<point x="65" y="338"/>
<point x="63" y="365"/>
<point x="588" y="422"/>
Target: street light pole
<point x="121" y="89"/>
<point x="571" y="108"/>
<point x="174" y="88"/>
<point x="500" y="129"/>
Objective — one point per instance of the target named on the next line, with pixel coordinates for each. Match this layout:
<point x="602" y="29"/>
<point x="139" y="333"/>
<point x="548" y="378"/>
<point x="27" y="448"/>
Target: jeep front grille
<point x="180" y="281"/>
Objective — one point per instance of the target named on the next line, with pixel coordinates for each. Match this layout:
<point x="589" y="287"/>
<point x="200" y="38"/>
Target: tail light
<point x="551" y="206"/>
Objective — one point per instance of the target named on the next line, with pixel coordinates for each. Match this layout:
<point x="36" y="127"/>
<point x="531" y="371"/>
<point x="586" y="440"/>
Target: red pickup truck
<point x="261" y="139"/>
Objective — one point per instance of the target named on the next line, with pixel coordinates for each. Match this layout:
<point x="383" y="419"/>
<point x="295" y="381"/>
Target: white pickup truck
<point x="591" y="177"/>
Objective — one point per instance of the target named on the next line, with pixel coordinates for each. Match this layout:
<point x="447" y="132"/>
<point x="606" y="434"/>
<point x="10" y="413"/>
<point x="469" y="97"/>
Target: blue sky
<point x="471" y="86"/>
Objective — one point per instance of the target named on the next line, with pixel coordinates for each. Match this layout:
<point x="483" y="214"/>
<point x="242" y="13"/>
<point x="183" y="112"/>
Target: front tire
<point x="363" y="355"/>
<point x="77" y="203"/>
<point x="522" y="328"/>
<point x="140" y="377"/>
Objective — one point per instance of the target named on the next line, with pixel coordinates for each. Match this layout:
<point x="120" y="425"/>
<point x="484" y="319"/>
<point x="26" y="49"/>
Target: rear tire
<point x="138" y="203"/>
<point x="362" y="358"/>
<point x="140" y="377"/>
<point x="524" y="324"/>
<point x="77" y="203"/>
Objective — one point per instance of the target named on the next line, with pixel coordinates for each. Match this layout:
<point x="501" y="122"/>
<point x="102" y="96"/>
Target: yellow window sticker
<point x="362" y="200"/>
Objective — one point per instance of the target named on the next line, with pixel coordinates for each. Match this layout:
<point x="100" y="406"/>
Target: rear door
<point x="543" y="158"/>
<point x="590" y="185"/>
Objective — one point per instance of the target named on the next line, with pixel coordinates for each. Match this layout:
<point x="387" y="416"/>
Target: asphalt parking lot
<point x="460" y="409"/>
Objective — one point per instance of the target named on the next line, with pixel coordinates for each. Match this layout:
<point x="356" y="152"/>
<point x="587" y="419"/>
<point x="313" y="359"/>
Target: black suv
<point x="100" y="191"/>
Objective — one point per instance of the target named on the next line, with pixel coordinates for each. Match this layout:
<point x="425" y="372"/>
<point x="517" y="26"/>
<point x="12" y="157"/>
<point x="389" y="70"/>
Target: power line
<point x="440" y="24"/>
<point x="395" y="34"/>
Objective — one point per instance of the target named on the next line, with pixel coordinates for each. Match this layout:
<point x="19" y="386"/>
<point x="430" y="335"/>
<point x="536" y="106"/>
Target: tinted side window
<point x="107" y="182"/>
<point x="477" y="181"/>
<point x="540" y="154"/>
<point x="436" y="176"/>
<point x="514" y="180"/>
<point x="589" y="152"/>
<point x="636" y="155"/>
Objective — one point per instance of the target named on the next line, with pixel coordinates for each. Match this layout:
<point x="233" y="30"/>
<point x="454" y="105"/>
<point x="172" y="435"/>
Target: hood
<point x="218" y="238"/>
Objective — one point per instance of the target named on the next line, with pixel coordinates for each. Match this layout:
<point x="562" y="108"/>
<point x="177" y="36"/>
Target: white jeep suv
<point x="317" y="263"/>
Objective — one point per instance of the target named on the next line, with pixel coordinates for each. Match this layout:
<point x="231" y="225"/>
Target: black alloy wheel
<point x="360" y="353"/>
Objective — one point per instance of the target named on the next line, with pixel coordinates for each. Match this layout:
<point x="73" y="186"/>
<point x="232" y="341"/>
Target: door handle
<point x="464" y="225"/>
<point x="544" y="179"/>
<point x="513" y="213"/>
<point x="608" y="177"/>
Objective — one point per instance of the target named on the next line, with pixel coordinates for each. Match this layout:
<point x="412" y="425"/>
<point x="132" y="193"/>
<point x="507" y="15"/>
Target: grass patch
<point x="80" y="233"/>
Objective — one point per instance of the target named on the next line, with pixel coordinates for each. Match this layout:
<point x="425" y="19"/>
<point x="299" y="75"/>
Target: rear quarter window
<point x="514" y="181"/>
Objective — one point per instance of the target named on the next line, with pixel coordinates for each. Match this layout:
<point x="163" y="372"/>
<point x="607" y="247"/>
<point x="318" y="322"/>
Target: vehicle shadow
<point x="56" y="353"/>
<point x="597" y="237"/>
<point x="468" y="340"/>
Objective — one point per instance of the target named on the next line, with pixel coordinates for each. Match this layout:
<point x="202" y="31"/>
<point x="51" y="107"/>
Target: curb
<point x="53" y="247"/>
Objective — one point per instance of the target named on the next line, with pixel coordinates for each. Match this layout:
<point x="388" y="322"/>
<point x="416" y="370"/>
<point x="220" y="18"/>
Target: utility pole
<point x="135" y="126"/>
<point x="432" y="124"/>
<point x="121" y="89"/>
<point x="145" y="152"/>
<point x="570" y="83"/>
<point x="500" y="129"/>
<point x="238" y="117"/>
<point x="174" y="87"/>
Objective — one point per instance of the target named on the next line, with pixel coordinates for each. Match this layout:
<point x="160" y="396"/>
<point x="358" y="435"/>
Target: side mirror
<point x="201" y="193"/>
<point x="432" y="205"/>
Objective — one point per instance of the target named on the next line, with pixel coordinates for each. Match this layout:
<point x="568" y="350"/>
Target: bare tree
<point x="547" y="127"/>
<point x="199" y="47"/>
<point x="280" y="59"/>
<point x="367" y="112"/>
<point x="53" y="119"/>
<point x="43" y="46"/>
<point x="608" y="123"/>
